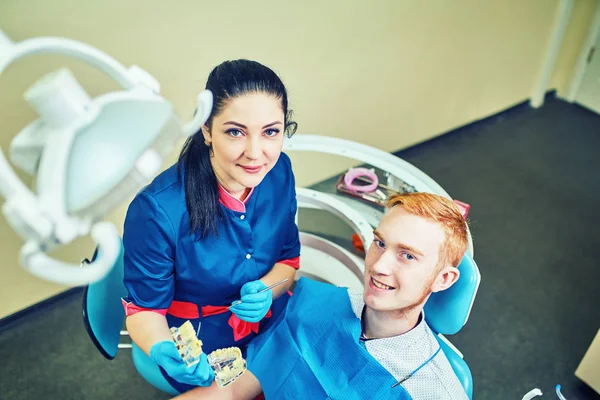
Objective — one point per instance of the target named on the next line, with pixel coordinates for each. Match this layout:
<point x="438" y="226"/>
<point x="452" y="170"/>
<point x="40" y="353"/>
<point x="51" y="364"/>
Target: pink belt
<point x="187" y="310"/>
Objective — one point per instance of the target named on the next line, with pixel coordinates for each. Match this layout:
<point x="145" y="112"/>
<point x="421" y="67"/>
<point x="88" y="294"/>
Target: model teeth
<point x="228" y="365"/>
<point x="188" y="345"/>
<point x="381" y="285"/>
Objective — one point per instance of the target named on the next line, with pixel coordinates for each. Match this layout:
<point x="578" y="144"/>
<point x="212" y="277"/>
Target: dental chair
<point x="446" y="312"/>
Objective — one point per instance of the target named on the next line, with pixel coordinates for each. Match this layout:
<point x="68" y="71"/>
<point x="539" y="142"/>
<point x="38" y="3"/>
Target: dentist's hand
<point x="254" y="305"/>
<point x="166" y="355"/>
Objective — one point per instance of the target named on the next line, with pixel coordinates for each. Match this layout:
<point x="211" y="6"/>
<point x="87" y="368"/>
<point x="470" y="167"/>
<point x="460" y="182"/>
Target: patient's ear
<point x="445" y="278"/>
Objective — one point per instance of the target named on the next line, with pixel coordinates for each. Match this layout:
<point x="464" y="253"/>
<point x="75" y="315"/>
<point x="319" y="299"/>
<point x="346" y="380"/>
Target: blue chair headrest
<point x="447" y="311"/>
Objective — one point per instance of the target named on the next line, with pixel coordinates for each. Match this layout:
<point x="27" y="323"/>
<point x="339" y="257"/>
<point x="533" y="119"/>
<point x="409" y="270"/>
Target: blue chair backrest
<point x="447" y="312"/>
<point x="103" y="317"/>
<point x="103" y="313"/>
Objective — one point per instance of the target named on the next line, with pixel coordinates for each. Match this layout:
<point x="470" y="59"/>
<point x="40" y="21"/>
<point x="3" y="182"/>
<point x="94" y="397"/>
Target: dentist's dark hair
<point x="227" y="81"/>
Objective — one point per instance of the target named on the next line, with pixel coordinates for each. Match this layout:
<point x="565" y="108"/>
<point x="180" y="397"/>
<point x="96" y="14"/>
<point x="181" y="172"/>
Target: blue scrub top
<point x="165" y="262"/>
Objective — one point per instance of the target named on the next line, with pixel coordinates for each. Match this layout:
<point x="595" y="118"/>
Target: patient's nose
<point x="383" y="265"/>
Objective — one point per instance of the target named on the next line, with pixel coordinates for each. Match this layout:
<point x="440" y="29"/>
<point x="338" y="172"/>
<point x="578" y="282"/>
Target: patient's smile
<point x="380" y="285"/>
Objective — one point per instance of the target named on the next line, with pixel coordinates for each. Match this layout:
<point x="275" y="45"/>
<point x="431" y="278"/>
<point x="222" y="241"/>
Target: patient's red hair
<point x="443" y="211"/>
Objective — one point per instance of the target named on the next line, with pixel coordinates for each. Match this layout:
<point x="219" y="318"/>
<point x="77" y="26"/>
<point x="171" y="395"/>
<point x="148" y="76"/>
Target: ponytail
<point x="201" y="187"/>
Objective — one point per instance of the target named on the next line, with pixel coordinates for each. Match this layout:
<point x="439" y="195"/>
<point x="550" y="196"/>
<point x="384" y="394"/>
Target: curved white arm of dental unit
<point x="88" y="156"/>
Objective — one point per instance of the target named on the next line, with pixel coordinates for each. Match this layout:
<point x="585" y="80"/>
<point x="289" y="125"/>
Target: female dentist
<point x="216" y="227"/>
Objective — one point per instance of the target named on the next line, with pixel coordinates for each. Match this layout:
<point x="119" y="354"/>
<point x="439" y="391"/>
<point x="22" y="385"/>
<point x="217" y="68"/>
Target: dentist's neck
<point x="233" y="188"/>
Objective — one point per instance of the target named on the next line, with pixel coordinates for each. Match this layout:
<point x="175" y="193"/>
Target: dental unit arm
<point x="87" y="155"/>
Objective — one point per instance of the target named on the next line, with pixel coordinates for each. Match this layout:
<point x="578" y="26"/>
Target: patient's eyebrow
<point x="400" y="246"/>
<point x="410" y="249"/>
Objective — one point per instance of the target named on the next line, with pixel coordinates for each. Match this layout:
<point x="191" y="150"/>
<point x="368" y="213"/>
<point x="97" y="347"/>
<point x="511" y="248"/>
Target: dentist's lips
<point x="252" y="169"/>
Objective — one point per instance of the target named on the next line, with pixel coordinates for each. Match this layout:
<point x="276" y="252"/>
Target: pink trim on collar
<point x="231" y="202"/>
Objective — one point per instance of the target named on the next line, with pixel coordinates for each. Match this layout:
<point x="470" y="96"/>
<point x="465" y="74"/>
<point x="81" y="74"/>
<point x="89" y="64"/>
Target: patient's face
<point x="401" y="264"/>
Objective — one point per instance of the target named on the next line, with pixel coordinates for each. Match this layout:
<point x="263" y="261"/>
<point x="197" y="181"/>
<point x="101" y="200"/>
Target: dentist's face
<point x="246" y="138"/>
<point x="401" y="266"/>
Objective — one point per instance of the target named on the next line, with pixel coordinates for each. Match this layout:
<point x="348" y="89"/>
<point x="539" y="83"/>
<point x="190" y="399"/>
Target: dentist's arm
<point x="147" y="328"/>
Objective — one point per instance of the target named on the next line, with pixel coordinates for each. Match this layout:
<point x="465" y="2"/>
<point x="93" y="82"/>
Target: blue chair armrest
<point x="459" y="366"/>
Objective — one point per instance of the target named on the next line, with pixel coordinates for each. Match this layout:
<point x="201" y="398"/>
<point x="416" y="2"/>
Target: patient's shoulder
<point x="437" y="379"/>
<point x="357" y="302"/>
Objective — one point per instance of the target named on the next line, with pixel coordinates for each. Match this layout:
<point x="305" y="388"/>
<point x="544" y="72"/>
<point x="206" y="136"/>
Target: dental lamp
<point x="87" y="155"/>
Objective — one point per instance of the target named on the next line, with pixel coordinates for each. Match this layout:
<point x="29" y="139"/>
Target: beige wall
<point x="580" y="20"/>
<point x="386" y="73"/>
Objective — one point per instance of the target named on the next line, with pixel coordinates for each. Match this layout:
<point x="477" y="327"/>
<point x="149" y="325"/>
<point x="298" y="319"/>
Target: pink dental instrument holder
<point x="353" y="173"/>
<point x="368" y="190"/>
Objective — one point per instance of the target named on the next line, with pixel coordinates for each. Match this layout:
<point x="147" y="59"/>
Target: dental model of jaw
<point x="227" y="363"/>
<point x="187" y="343"/>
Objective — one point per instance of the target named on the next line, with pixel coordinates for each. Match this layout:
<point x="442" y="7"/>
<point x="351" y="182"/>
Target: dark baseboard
<point x="10" y="320"/>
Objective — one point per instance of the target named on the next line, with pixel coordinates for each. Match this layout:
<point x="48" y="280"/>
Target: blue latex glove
<point x="254" y="305"/>
<point x="166" y="355"/>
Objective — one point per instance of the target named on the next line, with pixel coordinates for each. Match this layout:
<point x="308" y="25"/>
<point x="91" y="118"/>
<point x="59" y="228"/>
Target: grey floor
<point x="531" y="177"/>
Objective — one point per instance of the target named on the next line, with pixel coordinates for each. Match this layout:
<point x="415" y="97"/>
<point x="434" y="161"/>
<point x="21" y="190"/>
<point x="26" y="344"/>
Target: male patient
<point x="334" y="344"/>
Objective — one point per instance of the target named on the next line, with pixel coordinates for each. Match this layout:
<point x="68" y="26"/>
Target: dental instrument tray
<point x="364" y="184"/>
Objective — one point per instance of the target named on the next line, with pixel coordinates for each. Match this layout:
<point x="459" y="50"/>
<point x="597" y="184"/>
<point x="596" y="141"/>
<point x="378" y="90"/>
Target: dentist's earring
<point x="208" y="144"/>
